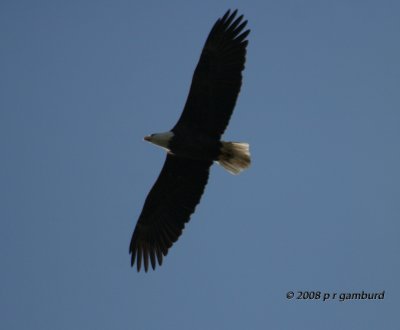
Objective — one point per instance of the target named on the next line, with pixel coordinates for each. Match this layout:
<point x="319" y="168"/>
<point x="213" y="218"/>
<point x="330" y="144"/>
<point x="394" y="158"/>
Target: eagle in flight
<point x="194" y="143"/>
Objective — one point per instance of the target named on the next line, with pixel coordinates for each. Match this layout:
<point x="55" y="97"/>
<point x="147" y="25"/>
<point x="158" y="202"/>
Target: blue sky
<point x="82" y="82"/>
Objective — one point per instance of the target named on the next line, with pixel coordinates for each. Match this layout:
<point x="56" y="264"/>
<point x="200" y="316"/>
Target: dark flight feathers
<point x="215" y="87"/>
<point x="165" y="211"/>
<point x="217" y="79"/>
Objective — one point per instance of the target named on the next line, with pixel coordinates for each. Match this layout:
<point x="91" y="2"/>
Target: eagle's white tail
<point x="234" y="156"/>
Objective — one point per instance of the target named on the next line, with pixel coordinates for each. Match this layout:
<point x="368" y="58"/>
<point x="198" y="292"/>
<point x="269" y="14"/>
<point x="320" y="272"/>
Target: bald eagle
<point x="194" y="143"/>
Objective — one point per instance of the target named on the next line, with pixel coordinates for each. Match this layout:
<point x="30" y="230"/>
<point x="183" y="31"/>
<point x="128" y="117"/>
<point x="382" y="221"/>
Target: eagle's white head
<point x="160" y="139"/>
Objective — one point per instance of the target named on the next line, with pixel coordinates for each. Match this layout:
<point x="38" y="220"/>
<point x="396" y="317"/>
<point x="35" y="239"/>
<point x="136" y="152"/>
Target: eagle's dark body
<point x="198" y="146"/>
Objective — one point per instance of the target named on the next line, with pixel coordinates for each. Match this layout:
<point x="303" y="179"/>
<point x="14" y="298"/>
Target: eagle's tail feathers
<point x="234" y="156"/>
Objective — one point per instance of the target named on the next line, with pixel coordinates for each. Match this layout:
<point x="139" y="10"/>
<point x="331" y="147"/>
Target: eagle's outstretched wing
<point x="167" y="208"/>
<point x="217" y="79"/>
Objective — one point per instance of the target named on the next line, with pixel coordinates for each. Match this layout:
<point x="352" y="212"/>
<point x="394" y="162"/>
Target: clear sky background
<point x="82" y="82"/>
